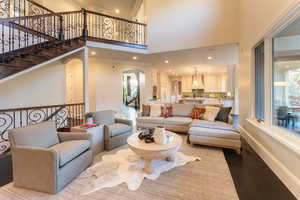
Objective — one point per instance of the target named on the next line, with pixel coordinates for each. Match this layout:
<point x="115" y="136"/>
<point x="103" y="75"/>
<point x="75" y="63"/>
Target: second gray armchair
<point x="116" y="131"/>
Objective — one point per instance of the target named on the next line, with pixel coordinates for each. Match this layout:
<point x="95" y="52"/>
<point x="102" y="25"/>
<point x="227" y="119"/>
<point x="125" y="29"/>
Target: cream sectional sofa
<point x="212" y="133"/>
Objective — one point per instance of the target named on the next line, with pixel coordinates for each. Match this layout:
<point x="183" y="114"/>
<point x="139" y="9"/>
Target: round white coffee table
<point x="152" y="151"/>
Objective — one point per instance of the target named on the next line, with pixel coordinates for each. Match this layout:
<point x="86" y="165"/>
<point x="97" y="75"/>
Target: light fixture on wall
<point x="209" y="57"/>
<point x="167" y="61"/>
<point x="134" y="58"/>
<point x="93" y="53"/>
<point x="117" y="11"/>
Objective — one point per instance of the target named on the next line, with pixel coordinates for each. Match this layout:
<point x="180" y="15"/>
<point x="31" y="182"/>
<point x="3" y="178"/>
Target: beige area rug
<point x="208" y="179"/>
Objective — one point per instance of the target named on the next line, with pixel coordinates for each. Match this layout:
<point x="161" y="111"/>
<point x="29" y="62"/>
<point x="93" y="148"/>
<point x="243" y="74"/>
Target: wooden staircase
<point x="35" y="55"/>
<point x="32" y="34"/>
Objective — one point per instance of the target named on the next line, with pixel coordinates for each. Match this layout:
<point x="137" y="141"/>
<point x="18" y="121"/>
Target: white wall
<point x="256" y="17"/>
<point x="74" y="81"/>
<point x="164" y="87"/>
<point x="175" y="25"/>
<point x="107" y="87"/>
<point x="140" y="16"/>
<point x="44" y="86"/>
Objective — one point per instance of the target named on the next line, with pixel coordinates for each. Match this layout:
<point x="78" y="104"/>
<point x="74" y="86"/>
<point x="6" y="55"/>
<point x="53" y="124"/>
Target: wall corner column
<point x="86" y="94"/>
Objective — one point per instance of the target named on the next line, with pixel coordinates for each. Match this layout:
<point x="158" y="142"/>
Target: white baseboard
<point x="290" y="180"/>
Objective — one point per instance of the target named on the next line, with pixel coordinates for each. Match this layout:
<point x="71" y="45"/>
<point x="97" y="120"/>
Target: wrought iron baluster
<point x="3" y="40"/>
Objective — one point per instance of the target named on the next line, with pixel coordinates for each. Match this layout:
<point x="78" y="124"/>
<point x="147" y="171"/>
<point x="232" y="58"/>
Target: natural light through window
<point x="286" y="79"/>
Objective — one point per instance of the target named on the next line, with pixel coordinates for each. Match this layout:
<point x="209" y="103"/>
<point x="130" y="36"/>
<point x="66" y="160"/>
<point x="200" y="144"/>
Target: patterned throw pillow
<point x="146" y="110"/>
<point x="198" y="113"/>
<point x="211" y="113"/>
<point x="166" y="111"/>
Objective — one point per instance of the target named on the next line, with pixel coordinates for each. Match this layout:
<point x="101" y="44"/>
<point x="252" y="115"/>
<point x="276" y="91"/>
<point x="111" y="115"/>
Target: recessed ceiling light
<point x="93" y="53"/>
<point x="134" y="58"/>
<point x="166" y="61"/>
<point x="210" y="58"/>
<point x="117" y="11"/>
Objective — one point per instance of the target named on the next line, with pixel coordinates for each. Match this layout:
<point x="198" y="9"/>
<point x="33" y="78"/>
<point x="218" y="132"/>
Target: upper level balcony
<point x="24" y="23"/>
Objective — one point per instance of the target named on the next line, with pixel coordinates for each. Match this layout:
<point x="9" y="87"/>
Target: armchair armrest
<point x="124" y="121"/>
<point x="69" y="136"/>
<point x="37" y="166"/>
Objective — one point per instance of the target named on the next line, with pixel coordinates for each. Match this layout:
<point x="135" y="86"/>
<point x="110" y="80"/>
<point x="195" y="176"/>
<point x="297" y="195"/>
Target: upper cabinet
<point x="210" y="83"/>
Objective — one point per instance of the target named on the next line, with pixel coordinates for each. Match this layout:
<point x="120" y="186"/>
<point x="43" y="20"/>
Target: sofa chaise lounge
<point x="211" y="133"/>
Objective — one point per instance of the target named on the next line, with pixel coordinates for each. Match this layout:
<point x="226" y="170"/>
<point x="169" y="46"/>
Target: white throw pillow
<point x="155" y="110"/>
<point x="211" y="113"/>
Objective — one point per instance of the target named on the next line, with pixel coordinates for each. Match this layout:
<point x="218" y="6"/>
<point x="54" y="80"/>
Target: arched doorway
<point x="132" y="88"/>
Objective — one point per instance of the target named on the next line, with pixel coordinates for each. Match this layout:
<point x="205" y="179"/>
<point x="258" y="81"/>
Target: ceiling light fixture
<point x="117" y="11"/>
<point x="134" y="58"/>
<point x="93" y="53"/>
<point x="210" y="58"/>
<point x="166" y="61"/>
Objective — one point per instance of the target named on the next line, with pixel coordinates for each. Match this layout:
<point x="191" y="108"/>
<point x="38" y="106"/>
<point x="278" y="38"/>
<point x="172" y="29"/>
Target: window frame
<point x="283" y="22"/>
<point x="255" y="81"/>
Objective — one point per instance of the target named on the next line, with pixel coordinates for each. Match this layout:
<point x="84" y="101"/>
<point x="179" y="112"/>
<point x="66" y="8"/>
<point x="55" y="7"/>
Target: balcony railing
<point x="65" y="116"/>
<point x="20" y="31"/>
<point x="115" y="29"/>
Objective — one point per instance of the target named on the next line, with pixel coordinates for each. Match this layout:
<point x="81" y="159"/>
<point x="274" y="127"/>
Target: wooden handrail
<point x="39" y="5"/>
<point x="39" y="107"/>
<point x="55" y="113"/>
<point x="69" y="12"/>
<point x="33" y="32"/>
<point x="117" y="18"/>
<point x="13" y="19"/>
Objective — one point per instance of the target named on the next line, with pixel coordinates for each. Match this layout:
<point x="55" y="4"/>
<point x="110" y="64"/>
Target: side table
<point x="97" y="133"/>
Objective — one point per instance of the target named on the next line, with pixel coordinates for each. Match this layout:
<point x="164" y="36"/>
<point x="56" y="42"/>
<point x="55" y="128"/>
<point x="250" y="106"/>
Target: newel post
<point x="85" y="32"/>
<point x="61" y="28"/>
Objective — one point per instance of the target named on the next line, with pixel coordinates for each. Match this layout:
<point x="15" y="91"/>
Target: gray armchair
<point x="116" y="131"/>
<point x="45" y="160"/>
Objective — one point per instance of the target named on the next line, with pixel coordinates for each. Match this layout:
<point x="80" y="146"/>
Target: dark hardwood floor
<point x="253" y="179"/>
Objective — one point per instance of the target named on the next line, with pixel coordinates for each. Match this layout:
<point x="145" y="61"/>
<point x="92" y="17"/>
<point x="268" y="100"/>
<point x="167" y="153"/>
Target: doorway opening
<point x="131" y="89"/>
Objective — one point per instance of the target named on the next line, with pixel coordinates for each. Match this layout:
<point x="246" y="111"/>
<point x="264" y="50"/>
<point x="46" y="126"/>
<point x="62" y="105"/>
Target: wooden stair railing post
<point x="85" y="31"/>
<point x="61" y="28"/>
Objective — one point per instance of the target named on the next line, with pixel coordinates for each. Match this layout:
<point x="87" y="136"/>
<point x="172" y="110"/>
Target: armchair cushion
<point x="41" y="135"/>
<point x="69" y="136"/>
<point x="118" y="129"/>
<point x="124" y="121"/>
<point x="67" y="151"/>
<point x="106" y="117"/>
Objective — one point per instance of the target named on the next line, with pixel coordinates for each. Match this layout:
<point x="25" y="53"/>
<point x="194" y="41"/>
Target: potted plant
<point x="89" y="117"/>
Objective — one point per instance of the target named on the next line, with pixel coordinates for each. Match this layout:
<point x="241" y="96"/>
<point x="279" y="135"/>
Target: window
<point x="286" y="78"/>
<point x="259" y="81"/>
